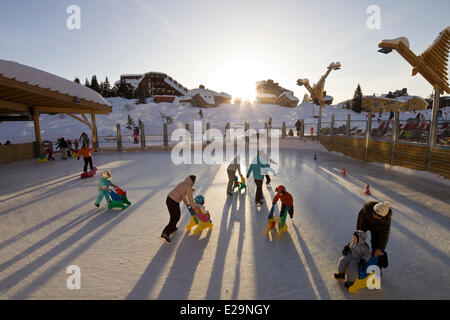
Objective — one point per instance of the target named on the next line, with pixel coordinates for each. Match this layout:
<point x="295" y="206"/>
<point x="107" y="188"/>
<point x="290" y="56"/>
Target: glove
<point x="291" y="213"/>
<point x="362" y="264"/>
<point x="346" y="250"/>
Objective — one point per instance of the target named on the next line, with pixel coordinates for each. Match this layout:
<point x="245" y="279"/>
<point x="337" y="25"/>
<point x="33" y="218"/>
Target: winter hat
<point x="199" y="199"/>
<point x="382" y="208"/>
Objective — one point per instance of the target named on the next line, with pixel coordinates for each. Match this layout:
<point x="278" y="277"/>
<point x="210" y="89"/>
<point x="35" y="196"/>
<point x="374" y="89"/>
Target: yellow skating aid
<point x="43" y="158"/>
<point x="359" y="284"/>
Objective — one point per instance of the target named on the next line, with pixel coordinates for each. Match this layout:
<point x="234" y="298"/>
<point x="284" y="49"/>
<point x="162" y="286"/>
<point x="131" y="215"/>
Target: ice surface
<point x="48" y="221"/>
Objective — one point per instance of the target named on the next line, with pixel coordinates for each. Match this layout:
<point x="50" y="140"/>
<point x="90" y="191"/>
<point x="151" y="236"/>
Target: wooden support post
<point x="283" y="130"/>
<point x="347" y="133"/>
<point x="94" y="131"/>
<point x="166" y="136"/>
<point x="247" y="138"/>
<point x="394" y="135"/>
<point x="142" y="135"/>
<point x="188" y="133"/>
<point x="302" y="128"/>
<point x="319" y="122"/>
<point x="37" y="128"/>
<point x="368" y="129"/>
<point x="433" y="126"/>
<point x="331" y="132"/>
<point x="208" y="138"/>
<point x="119" y="137"/>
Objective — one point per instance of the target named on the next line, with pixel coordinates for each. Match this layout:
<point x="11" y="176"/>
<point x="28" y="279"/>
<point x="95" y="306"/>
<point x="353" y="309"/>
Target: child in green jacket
<point x="103" y="187"/>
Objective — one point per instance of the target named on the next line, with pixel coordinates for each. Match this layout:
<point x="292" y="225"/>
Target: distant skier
<point x="375" y="217"/>
<point x="201" y="114"/>
<point x="136" y="135"/>
<point x="355" y="256"/>
<point x="182" y="192"/>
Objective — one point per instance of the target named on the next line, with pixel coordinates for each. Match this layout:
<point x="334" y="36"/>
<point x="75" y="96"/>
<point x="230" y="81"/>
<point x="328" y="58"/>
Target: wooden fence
<point x="14" y="152"/>
<point x="406" y="155"/>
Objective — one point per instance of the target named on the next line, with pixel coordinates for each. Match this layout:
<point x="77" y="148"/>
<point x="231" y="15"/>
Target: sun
<point x="238" y="77"/>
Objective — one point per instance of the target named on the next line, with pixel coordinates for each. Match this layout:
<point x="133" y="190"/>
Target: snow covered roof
<point x="35" y="77"/>
<point x="206" y="94"/>
<point x="289" y="95"/>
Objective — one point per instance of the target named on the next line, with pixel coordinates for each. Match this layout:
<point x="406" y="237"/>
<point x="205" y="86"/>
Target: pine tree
<point x="130" y="124"/>
<point x="87" y="84"/>
<point x="94" y="84"/>
<point x="357" y="100"/>
<point x="106" y="89"/>
<point x="76" y="80"/>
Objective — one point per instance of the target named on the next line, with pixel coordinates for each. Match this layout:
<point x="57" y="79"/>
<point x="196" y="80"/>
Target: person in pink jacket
<point x="182" y="192"/>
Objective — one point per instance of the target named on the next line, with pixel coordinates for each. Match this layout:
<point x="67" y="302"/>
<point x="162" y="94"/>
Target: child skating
<point x="103" y="188"/>
<point x="256" y="168"/>
<point x="287" y="207"/>
<point x="199" y="216"/>
<point x="355" y="256"/>
<point x="85" y="151"/>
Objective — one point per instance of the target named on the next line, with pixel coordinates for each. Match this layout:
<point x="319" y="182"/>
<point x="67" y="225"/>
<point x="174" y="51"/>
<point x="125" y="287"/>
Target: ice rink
<point x="48" y="222"/>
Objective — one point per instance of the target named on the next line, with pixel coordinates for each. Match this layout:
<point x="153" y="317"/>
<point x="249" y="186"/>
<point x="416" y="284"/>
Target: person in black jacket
<point x="375" y="217"/>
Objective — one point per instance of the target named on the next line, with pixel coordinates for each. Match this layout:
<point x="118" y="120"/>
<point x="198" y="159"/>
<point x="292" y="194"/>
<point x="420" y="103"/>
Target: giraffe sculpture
<point x="317" y="90"/>
<point x="432" y="65"/>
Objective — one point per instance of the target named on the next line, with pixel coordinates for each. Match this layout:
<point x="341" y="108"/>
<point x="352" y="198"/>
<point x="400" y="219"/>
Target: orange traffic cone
<point x="343" y="171"/>
<point x="368" y="190"/>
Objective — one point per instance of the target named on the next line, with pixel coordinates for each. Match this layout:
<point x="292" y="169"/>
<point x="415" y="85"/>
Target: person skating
<point x="103" y="188"/>
<point x="375" y="217"/>
<point x="84" y="139"/>
<point x="86" y="153"/>
<point x="354" y="257"/>
<point x="287" y="206"/>
<point x="64" y="148"/>
<point x="265" y="159"/>
<point x="231" y="171"/>
<point x="256" y="168"/>
<point x="182" y="192"/>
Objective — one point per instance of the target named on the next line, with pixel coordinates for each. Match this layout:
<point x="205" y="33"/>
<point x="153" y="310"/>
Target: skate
<point x="165" y="238"/>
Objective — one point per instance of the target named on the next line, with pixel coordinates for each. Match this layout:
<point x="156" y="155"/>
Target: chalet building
<point x="397" y="93"/>
<point x="269" y="92"/>
<point x="159" y="84"/>
<point x="205" y="98"/>
<point x="443" y="102"/>
<point x="130" y="80"/>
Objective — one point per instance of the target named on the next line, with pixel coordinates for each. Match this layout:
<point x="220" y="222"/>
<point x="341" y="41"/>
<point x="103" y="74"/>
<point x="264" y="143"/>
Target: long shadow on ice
<point x="103" y="223"/>
<point x="159" y="261"/>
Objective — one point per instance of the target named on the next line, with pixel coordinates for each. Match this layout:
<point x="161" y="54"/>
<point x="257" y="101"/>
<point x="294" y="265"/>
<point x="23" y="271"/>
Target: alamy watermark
<point x="74" y="280"/>
<point x="222" y="148"/>
<point x="374" y="279"/>
<point x="73" y="22"/>
<point x="373" y="22"/>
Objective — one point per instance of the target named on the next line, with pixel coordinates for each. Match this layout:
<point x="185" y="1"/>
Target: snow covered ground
<point x="54" y="126"/>
<point x="48" y="222"/>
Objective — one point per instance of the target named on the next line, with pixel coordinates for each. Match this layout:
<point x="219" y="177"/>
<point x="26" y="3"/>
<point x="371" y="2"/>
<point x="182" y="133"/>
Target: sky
<point x="226" y="45"/>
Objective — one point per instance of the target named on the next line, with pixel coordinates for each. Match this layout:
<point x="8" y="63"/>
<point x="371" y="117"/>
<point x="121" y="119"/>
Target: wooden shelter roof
<point x="24" y="90"/>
